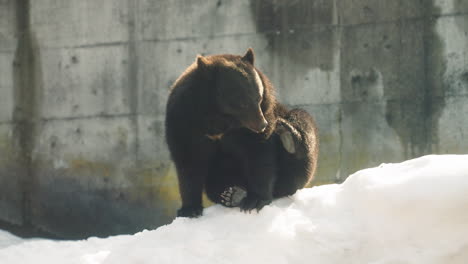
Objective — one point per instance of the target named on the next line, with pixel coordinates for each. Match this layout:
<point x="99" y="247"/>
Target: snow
<point x="410" y="212"/>
<point x="6" y="239"/>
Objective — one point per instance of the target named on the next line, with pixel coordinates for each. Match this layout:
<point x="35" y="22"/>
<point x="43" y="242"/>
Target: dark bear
<point x="229" y="136"/>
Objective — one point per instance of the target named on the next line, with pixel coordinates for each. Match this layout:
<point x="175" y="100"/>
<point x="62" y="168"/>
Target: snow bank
<point x="6" y="239"/>
<point x="411" y="212"/>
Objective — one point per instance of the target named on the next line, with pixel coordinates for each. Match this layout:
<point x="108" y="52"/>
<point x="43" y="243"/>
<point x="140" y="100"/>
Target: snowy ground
<point x="411" y="212"/>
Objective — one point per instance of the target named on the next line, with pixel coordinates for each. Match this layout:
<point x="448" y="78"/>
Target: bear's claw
<point x="250" y="203"/>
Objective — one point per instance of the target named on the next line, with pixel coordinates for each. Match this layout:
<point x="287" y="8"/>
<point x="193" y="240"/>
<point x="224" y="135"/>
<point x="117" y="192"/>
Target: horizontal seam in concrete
<point x="102" y="116"/>
<point x="215" y="36"/>
<point x="403" y="100"/>
<point x="273" y="32"/>
<point x="191" y="38"/>
<point x="301" y="27"/>
<point x="116" y="116"/>
<point x="241" y="34"/>
<point x="85" y="46"/>
<point x="103" y="44"/>
<point x="344" y="102"/>
<point x="404" y="19"/>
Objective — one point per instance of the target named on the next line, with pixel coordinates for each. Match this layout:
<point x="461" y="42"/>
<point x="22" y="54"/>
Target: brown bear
<point x="229" y="136"/>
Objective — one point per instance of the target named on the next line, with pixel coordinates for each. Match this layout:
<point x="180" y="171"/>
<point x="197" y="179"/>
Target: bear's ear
<point x="249" y="56"/>
<point x="202" y="62"/>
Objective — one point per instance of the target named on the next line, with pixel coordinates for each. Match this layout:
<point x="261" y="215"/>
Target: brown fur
<point x="221" y="133"/>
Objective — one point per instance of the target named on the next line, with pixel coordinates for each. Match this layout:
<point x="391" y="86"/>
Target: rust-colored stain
<point x="156" y="183"/>
<point x="85" y="165"/>
<point x="163" y="178"/>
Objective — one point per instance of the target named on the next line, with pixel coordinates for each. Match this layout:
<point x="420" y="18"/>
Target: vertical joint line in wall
<point x="133" y="71"/>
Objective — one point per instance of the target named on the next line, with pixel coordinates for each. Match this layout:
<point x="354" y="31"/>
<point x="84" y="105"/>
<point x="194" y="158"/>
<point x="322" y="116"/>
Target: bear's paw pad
<point x="232" y="196"/>
<point x="286" y="133"/>
<point x="288" y="142"/>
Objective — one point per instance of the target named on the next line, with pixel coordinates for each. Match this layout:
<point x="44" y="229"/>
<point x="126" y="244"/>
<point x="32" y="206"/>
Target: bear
<point x="229" y="136"/>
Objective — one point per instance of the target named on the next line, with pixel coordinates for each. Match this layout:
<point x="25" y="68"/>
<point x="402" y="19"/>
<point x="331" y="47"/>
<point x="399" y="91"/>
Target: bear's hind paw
<point x="287" y="134"/>
<point x="288" y="142"/>
<point x="232" y="196"/>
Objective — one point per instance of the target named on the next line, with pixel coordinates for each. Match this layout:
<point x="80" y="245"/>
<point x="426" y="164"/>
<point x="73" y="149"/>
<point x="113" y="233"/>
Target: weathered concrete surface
<point x="83" y="88"/>
<point x="11" y="170"/>
<point x="8" y="41"/>
<point x="6" y="86"/>
<point x="89" y="167"/>
<point x="74" y="94"/>
<point x="7" y="26"/>
<point x="59" y="24"/>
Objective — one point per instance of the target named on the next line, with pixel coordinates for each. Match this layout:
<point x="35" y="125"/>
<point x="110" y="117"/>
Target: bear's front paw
<point x="253" y="202"/>
<point x="190" y="211"/>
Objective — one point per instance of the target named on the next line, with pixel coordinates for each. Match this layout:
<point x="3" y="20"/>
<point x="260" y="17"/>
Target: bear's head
<point x="239" y="89"/>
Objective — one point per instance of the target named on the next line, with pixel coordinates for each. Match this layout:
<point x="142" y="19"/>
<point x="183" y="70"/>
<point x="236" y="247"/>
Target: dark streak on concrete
<point x="462" y="23"/>
<point x="435" y="67"/>
<point x="415" y="118"/>
<point x="296" y="30"/>
<point x="26" y="81"/>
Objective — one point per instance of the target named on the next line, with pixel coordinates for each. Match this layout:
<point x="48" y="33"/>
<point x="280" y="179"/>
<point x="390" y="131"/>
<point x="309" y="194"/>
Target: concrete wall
<point x="83" y="86"/>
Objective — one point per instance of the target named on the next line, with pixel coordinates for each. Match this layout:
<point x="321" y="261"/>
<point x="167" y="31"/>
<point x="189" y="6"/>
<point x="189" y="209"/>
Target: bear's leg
<point x="261" y="161"/>
<point x="190" y="187"/>
<point x="296" y="168"/>
<point x="293" y="175"/>
<point x="226" y="171"/>
<point x="192" y="168"/>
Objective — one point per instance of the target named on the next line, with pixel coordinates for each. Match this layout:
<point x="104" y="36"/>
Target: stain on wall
<point x="27" y="85"/>
<point x="300" y="30"/>
<point x="435" y="67"/>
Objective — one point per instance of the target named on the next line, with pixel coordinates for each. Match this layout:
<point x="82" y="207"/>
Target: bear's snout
<point x="258" y="125"/>
<point x="262" y="126"/>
